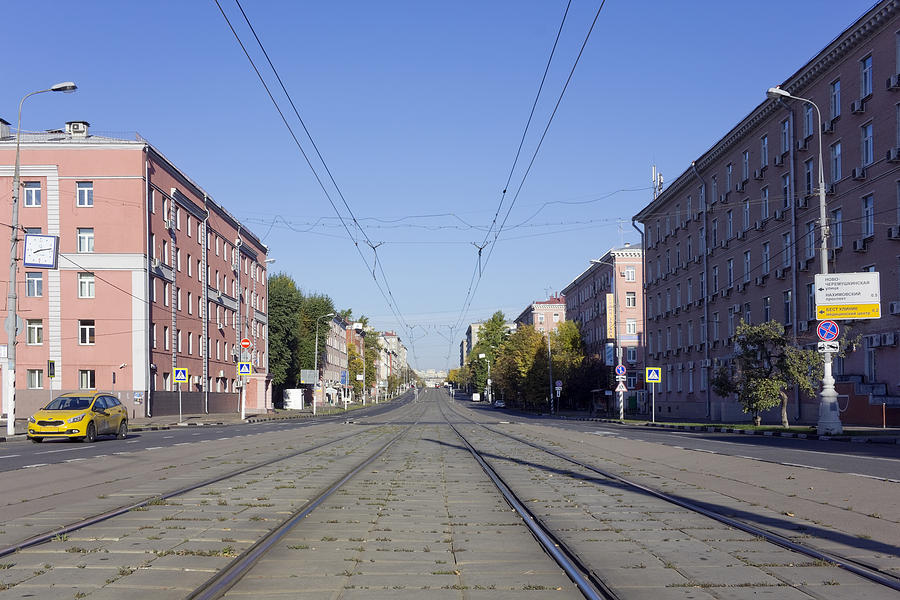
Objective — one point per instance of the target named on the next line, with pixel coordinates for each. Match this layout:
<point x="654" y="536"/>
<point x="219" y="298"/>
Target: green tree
<point x="567" y="350"/>
<point x="284" y="332"/>
<point x="491" y="336"/>
<point x="512" y="371"/>
<point x="312" y="307"/>
<point x="766" y="365"/>
<point x="355" y="367"/>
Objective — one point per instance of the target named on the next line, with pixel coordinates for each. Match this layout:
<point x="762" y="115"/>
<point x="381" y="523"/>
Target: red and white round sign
<point x="245" y="343"/>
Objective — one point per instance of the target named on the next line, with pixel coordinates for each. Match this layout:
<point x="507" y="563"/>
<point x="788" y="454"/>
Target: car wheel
<point x="91" y="434"/>
<point x="37" y="440"/>
<point x="123" y="430"/>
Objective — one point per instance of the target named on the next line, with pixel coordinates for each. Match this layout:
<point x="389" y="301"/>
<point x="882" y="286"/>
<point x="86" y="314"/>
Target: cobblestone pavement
<point x="424" y="521"/>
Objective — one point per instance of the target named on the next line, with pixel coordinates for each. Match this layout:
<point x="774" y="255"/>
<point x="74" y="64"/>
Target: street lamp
<point x="829" y="417"/>
<point x="316" y="367"/>
<point x="67" y="87"/>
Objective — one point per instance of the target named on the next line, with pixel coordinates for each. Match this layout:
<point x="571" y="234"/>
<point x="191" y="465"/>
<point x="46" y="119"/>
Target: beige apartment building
<point x="544" y="315"/>
<point x="737" y="234"/>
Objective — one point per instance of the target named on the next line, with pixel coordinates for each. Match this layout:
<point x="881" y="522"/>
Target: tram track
<point x="855" y="567"/>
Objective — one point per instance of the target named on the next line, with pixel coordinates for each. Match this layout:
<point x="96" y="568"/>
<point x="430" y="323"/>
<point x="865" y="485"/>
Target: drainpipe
<point x="706" y="288"/>
<point x="643" y="338"/>
<point x="794" y="238"/>
<point x="147" y="282"/>
<point x="204" y="272"/>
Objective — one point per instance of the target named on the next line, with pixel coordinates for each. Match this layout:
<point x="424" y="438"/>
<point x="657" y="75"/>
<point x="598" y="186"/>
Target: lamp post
<point x="829" y="417"/>
<point x="620" y="396"/>
<point x="67" y="87"/>
<point x="316" y="364"/>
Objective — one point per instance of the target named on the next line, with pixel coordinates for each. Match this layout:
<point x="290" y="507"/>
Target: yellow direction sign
<point x="848" y="311"/>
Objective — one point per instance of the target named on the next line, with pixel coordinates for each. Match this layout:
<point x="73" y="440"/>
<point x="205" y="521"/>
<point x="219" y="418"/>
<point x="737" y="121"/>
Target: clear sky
<point x="418" y="108"/>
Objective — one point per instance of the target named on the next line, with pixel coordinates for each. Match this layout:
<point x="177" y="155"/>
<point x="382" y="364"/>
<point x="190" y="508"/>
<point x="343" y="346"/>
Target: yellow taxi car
<point x="79" y="416"/>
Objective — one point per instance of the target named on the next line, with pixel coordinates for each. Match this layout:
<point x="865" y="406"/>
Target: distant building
<point x="606" y="302"/>
<point x="544" y="315"/>
<point x="471" y="338"/>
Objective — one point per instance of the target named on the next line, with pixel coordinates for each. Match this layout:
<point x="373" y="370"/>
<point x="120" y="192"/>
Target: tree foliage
<point x="766" y="365"/>
<point x="514" y="369"/>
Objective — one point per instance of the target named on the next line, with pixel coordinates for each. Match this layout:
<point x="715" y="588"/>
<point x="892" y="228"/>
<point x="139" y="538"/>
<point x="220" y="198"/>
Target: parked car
<point x="79" y="416"/>
<point x="499" y="404"/>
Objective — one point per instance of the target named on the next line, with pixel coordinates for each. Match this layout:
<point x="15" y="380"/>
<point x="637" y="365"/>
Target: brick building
<point x="152" y="274"/>
<point x="544" y="315"/>
<point x="736" y="235"/>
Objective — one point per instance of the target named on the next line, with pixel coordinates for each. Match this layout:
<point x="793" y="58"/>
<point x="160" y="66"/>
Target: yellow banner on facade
<point x="610" y="316"/>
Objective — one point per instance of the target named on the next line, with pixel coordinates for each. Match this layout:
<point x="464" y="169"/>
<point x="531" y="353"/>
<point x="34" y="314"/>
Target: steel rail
<point x="217" y="585"/>
<point x="588" y="583"/>
<point x="104" y="516"/>
<point x="852" y="566"/>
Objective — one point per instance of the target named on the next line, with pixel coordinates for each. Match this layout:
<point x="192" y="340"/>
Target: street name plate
<point x="848" y="296"/>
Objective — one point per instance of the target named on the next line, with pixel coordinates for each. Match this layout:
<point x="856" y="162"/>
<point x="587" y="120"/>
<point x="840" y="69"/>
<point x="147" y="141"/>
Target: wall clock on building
<point x="41" y="251"/>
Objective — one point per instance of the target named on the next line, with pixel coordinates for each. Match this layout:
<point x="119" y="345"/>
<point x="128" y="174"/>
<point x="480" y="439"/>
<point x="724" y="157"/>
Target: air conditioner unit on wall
<point x="828" y="126"/>
<point x="779" y="160"/>
<point x="889" y="339"/>
<point x="894" y="232"/>
<point x="154" y="262"/>
<point x="802" y="144"/>
<point x="802" y="326"/>
<point x="858" y="173"/>
<point x="857" y="107"/>
<point x="859" y="245"/>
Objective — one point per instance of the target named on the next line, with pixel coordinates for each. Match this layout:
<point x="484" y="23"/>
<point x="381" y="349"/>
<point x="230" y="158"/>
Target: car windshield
<point x="70" y="403"/>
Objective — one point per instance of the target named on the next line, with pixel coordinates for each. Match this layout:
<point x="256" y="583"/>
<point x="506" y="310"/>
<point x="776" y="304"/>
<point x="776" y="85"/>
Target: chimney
<point x="4" y="129"/>
<point x="77" y="129"/>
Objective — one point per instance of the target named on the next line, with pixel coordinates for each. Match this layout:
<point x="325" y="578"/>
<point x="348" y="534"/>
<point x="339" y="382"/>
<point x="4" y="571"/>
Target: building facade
<point x="606" y="301"/>
<point x="152" y="275"/>
<point x="544" y="315"/>
<point x="737" y="235"/>
<point x="335" y="366"/>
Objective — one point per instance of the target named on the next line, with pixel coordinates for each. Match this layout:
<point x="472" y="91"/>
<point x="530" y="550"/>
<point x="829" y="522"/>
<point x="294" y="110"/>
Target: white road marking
<point x="182" y="443"/>
<point x="10" y="455"/>
<point x="153" y="448"/>
<point x="168" y="437"/>
<point x="132" y="442"/>
<point x="64" y="450"/>
<point x="37" y="465"/>
<point x="74" y="460"/>
<point x="195" y="434"/>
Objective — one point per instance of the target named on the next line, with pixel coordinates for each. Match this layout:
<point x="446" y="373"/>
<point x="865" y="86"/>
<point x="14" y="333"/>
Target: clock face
<point x="40" y="251"/>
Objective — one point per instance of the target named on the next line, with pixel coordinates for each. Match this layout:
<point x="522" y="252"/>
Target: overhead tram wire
<point x="388" y="297"/>
<point x="473" y="289"/>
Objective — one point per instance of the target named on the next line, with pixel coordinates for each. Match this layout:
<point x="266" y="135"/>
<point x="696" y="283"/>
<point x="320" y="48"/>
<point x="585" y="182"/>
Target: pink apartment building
<point x="736" y="236"/>
<point x="152" y="275"/>
<point x="544" y="315"/>
<point x="606" y="302"/>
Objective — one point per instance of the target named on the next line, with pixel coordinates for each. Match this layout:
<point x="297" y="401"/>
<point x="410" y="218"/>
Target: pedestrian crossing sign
<point x="245" y="369"/>
<point x="653" y="375"/>
<point x="181" y="375"/>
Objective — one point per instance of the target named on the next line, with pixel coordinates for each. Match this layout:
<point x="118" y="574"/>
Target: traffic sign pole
<point x="653" y="403"/>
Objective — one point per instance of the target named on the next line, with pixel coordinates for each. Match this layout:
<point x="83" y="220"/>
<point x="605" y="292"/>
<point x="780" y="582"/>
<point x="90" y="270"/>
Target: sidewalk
<point x="199" y="420"/>
<point x="852" y="433"/>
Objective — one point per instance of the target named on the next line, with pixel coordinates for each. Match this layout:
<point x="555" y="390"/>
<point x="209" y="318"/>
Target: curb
<point x="856" y="439"/>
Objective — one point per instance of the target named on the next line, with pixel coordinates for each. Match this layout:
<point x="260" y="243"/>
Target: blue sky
<point x="418" y="108"/>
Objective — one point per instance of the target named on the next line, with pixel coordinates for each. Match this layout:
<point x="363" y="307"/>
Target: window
<point x="178" y="258"/>
<point x="85" y="239"/>
<point x="746" y="218"/>
<point x="34" y="332"/>
<point x="85" y="190"/>
<point x="764" y="151"/>
<point x="32" y="193"/>
<point x="747" y="314"/>
<point x="745" y="165"/>
<point x="868" y="216"/>
<point x="85" y="285"/>
<point x="165" y="294"/>
<point x="836" y="99"/>
<point x="86" y="332"/>
<point x="786" y="250"/>
<point x="810" y="301"/>
<point x="35" y="379"/>
<point x="729" y="177"/>
<point x="629" y="273"/>
<point x="715" y="326"/>
<point x="153" y="334"/>
<point x="86" y="379"/>
<point x="715" y="279"/>
<point x="729" y="225"/>
<point x="809" y="177"/>
<point x="836" y="162"/>
<point x="765" y="258"/>
<point x="868" y="148"/>
<point x="865" y="84"/>
<point x="631" y="354"/>
<point x="34" y="285"/>
<point x="746" y="266"/>
<point x="810" y="242"/>
<point x="837" y="229"/>
<point x="767" y="308"/>
<point x="165" y="338"/>
<point x="808" y="123"/>
<point x="787" y="307"/>
<point x="556" y="317"/>
<point x="785" y="136"/>
<point x="786" y="190"/>
<point x="630" y="299"/>
<point x="764" y="203"/>
<point x="190" y="303"/>
<point x="730" y="270"/>
<point x="631" y="326"/>
<point x="714" y="234"/>
<point x="178" y="340"/>
<point x="540" y="318"/>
